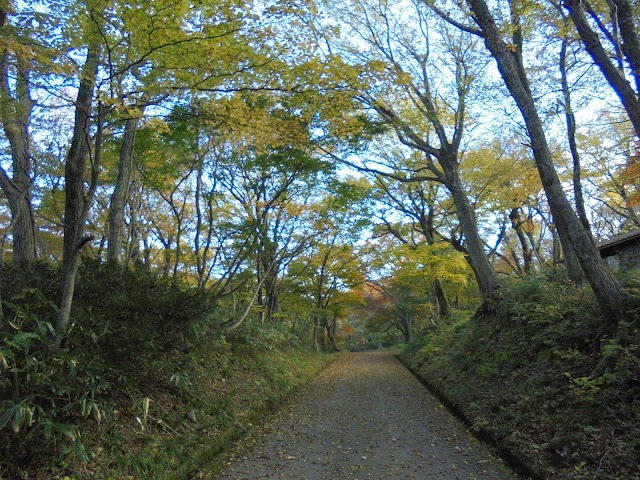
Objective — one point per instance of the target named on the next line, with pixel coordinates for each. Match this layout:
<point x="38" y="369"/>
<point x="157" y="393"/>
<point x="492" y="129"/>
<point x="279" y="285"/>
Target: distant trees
<point x="334" y="266"/>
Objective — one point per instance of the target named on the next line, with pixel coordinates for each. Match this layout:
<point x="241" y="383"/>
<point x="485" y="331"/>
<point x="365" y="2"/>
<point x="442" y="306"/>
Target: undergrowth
<point x="145" y="386"/>
<point x="543" y="378"/>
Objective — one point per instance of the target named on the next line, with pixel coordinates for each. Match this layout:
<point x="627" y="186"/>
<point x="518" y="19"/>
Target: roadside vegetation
<point x="192" y="193"/>
<point x="538" y="375"/>
<point x="146" y="387"/>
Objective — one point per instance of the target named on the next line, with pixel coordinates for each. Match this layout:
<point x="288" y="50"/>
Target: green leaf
<point x="23" y="416"/>
<point x="67" y="429"/>
<point x="6" y="416"/>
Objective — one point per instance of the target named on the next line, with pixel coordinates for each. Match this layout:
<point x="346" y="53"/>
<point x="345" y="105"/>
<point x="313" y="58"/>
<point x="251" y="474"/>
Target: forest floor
<point x="365" y="416"/>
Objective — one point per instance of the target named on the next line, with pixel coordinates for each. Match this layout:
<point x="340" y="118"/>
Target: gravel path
<point x="366" y="417"/>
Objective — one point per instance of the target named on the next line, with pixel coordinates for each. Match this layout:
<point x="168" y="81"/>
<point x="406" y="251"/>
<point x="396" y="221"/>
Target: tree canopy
<point x="290" y="157"/>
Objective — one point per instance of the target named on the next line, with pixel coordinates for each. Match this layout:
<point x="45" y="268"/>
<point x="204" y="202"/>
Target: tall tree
<point x="16" y="106"/>
<point x="612" y="298"/>
<point x="571" y="136"/>
<point x="121" y="191"/>
<point x="425" y="101"/>
<point x="78" y="200"/>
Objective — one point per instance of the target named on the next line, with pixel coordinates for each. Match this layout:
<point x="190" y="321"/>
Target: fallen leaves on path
<point x="366" y="417"/>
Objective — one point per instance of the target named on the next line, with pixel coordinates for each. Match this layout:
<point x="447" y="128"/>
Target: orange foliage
<point x="348" y="329"/>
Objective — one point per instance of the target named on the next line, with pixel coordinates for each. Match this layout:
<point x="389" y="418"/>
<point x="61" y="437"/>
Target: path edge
<point x="511" y="459"/>
<point x="262" y="419"/>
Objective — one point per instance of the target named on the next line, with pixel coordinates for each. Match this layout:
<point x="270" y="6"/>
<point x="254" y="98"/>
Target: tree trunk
<point x="407" y="333"/>
<point x="316" y="331"/>
<point x="570" y="258"/>
<point x="484" y="272"/>
<point x="441" y="297"/>
<point x="121" y="191"/>
<point x="176" y="263"/>
<point x="201" y="256"/>
<point x="331" y="337"/>
<point x="15" y="115"/>
<point x="24" y="229"/>
<point x="77" y="201"/>
<point x="556" y="250"/>
<point x="612" y="298"/>
<point x="571" y="137"/>
<point x="166" y="266"/>
<point x="517" y="224"/>
<point x="630" y="46"/>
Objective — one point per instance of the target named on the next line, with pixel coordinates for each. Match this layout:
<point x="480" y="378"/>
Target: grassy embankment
<point x="543" y="379"/>
<point x="144" y="387"/>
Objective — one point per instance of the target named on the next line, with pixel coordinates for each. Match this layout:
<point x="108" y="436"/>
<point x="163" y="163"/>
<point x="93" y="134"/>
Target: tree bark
<point x="570" y="257"/>
<point x="614" y="301"/>
<point x="443" y="302"/>
<point x="15" y="114"/>
<point x="482" y="268"/>
<point x="316" y="334"/>
<point x="166" y="264"/>
<point x="121" y="191"/>
<point x="77" y="201"/>
<point x="329" y="328"/>
<point x="517" y="225"/>
<point x="407" y="331"/>
<point x="571" y="137"/>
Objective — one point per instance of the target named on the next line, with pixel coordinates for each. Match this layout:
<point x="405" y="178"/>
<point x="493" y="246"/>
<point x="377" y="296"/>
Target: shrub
<point x="123" y="321"/>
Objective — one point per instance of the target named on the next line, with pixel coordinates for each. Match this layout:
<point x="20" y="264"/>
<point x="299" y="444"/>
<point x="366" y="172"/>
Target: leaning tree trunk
<point x="77" y="201"/>
<point x="121" y="191"/>
<point x="612" y="298"/>
<point x="482" y="268"/>
<point x="630" y="46"/>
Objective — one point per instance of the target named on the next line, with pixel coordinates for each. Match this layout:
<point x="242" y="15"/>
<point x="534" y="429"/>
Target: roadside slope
<point x="540" y="373"/>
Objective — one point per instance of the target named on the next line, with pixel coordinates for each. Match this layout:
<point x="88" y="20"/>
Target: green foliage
<point x="43" y="392"/>
<point x="542" y="378"/>
<point x="143" y="354"/>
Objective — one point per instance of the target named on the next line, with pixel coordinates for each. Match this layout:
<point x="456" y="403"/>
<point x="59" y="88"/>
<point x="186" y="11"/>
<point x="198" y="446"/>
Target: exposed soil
<point x="366" y="417"/>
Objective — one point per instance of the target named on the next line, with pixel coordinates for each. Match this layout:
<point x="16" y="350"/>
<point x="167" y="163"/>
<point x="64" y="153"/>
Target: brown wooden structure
<point x="622" y="250"/>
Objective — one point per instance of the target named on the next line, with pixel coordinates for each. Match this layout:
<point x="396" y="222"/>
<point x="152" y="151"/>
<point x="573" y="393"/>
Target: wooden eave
<point x="612" y="246"/>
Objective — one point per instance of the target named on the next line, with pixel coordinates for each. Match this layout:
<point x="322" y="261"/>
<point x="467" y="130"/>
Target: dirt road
<point x="366" y="417"/>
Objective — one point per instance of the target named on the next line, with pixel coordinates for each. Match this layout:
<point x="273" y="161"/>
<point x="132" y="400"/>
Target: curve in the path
<point x="366" y="417"/>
